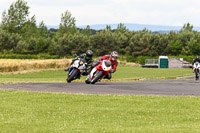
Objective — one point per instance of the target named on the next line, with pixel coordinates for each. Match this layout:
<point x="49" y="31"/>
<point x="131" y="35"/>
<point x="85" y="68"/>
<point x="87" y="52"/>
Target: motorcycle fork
<point x="70" y="71"/>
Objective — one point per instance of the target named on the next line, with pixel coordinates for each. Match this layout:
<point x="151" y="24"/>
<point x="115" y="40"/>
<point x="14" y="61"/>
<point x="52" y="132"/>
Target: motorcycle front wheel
<point x="98" y="75"/>
<point x="197" y="76"/>
<point x="71" y="77"/>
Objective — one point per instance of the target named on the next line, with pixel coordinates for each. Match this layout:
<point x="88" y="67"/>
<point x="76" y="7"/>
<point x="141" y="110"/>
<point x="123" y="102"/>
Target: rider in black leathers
<point x="196" y="60"/>
<point x="89" y="60"/>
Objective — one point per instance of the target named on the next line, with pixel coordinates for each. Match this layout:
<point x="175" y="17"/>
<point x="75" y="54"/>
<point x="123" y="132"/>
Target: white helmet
<point x="114" y="56"/>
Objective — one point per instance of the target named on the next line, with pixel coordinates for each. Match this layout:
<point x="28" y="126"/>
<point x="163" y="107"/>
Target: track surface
<point x="147" y="87"/>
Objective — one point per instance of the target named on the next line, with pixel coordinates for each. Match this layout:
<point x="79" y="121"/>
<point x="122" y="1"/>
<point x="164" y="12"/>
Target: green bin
<point x="163" y="62"/>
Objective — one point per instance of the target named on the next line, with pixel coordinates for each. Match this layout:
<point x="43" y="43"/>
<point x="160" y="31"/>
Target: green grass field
<point x="123" y="73"/>
<point x="22" y="111"/>
<point x="58" y="112"/>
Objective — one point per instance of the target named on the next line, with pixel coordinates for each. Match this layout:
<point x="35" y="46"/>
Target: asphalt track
<point x="172" y="87"/>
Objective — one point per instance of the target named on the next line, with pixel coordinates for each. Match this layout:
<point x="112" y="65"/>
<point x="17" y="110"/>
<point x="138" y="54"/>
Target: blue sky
<point x="88" y="12"/>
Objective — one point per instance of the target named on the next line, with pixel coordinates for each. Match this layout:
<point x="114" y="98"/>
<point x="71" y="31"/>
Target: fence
<point x="151" y="62"/>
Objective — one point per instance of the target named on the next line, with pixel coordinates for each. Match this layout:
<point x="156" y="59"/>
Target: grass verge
<point x="57" y="112"/>
<point x="123" y="73"/>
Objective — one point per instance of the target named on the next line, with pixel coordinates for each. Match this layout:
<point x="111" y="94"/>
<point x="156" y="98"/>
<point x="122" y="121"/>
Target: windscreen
<point x="108" y="63"/>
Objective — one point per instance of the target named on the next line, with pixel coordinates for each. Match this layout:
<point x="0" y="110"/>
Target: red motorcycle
<point x="99" y="72"/>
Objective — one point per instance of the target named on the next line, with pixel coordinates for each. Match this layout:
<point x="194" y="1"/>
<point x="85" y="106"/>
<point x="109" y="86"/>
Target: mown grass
<point x="57" y="112"/>
<point x="22" y="111"/>
<point x="127" y="72"/>
<point x="123" y="73"/>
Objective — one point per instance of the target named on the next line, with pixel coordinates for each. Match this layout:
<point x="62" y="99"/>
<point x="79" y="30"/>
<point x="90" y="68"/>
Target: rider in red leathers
<point x="113" y="58"/>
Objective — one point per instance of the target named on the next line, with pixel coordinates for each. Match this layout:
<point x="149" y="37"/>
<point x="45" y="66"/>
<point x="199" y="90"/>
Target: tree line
<point x="20" y="34"/>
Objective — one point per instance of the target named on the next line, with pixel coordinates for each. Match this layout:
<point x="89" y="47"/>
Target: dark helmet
<point x="114" y="56"/>
<point x="89" y="54"/>
<point x="197" y="57"/>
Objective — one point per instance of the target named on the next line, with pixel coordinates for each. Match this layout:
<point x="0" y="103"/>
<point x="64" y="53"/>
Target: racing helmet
<point x="114" y="56"/>
<point x="89" y="54"/>
<point x="197" y="57"/>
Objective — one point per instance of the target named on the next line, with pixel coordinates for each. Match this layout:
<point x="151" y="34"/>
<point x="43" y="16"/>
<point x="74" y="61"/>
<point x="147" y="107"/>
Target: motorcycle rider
<point x="88" y="57"/>
<point x="194" y="71"/>
<point x="196" y="60"/>
<point x="113" y="58"/>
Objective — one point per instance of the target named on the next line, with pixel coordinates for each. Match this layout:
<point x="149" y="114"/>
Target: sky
<point x="90" y="12"/>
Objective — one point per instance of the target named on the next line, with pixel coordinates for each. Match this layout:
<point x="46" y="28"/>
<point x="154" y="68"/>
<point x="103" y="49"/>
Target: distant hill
<point x="135" y="27"/>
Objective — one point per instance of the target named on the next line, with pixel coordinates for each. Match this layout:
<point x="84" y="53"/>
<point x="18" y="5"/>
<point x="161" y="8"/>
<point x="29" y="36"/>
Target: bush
<point x="139" y="59"/>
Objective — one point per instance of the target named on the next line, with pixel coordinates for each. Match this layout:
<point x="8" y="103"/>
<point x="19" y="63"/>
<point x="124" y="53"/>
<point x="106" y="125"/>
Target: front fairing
<point x="100" y="67"/>
<point x="106" y="68"/>
<point x="74" y="67"/>
<point x="75" y="64"/>
<point x="82" y="65"/>
<point x="196" y="67"/>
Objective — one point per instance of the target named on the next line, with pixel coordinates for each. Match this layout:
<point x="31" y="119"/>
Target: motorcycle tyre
<point x="196" y="76"/>
<point x="87" y="82"/>
<point x="71" y="77"/>
<point x="98" y="76"/>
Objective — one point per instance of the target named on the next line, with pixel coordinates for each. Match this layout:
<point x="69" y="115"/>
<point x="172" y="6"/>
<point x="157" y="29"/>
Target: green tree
<point x="40" y="45"/>
<point x="121" y="28"/>
<point x="103" y="42"/>
<point x="29" y="28"/>
<point x="176" y="47"/>
<point x="16" y="16"/>
<point x="21" y="47"/>
<point x="43" y="31"/>
<point x="140" y="43"/>
<point x="8" y="40"/>
<point x="187" y="28"/>
<point x="194" y="47"/>
<point x="71" y="44"/>
<point x="42" y="40"/>
<point x="158" y="44"/>
<point x="87" y="31"/>
<point x="121" y="41"/>
<point x="67" y="24"/>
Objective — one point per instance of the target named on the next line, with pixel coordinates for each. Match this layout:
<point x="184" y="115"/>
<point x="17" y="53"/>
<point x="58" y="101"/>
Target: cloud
<point x="157" y="12"/>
